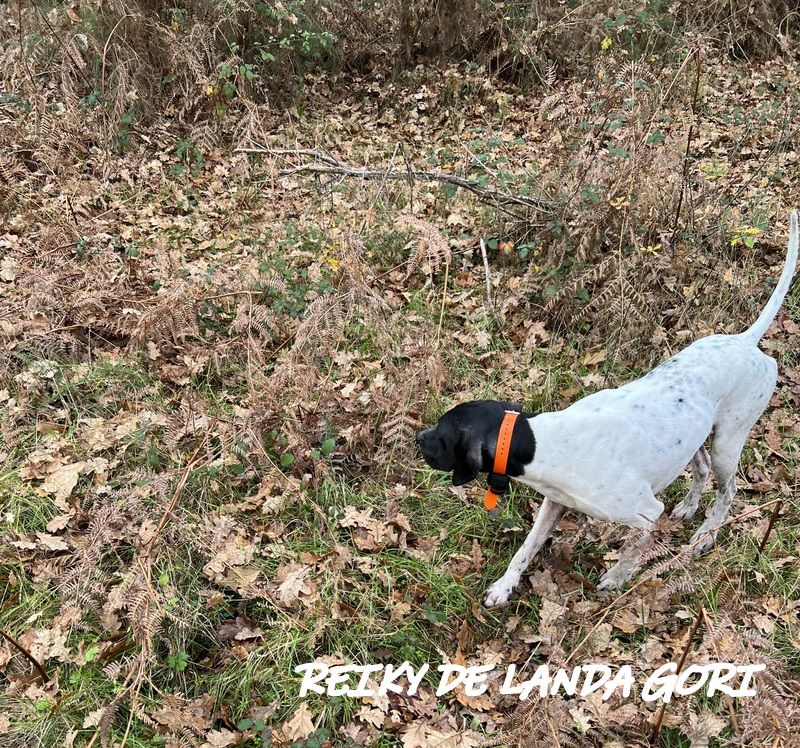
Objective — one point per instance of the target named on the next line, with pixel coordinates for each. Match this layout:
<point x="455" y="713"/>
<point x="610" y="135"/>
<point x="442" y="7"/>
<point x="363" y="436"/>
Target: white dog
<point x="609" y="454"/>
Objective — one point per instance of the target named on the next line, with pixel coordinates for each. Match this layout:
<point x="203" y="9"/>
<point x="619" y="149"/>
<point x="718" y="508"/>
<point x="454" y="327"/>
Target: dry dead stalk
<point x="689" y="137"/>
<point x="773" y="517"/>
<point x="489" y="298"/>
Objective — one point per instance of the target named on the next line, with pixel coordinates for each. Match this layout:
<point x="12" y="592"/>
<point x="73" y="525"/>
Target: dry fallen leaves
<point x="300" y="725"/>
<point x="294" y="584"/>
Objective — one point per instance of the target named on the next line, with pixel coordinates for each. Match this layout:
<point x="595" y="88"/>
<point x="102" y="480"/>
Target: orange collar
<point x="498" y="487"/>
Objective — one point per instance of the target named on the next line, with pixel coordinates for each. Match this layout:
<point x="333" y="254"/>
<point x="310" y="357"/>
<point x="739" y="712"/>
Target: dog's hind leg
<point x="730" y="434"/>
<point x="701" y="467"/>
<point x="725" y="453"/>
<point x="544" y="524"/>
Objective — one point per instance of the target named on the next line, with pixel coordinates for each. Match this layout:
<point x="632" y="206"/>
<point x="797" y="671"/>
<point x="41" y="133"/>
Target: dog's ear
<point x="469" y="458"/>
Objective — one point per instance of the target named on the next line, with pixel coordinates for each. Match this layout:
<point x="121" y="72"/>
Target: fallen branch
<point x="326" y="165"/>
<point x="681" y="663"/>
<point x="27" y="654"/>
<point x="773" y="517"/>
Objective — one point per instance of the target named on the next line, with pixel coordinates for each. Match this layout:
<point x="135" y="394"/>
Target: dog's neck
<point x="521" y="452"/>
<point x="549" y="474"/>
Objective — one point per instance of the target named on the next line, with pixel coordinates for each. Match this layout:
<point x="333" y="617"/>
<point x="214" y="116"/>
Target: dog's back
<point x="720" y="382"/>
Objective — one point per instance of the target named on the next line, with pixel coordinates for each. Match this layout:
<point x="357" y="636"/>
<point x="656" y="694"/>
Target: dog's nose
<point x="421" y="435"/>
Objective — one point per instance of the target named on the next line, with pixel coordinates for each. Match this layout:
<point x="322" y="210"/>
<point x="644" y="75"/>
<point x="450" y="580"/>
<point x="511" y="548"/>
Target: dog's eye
<point x="441" y="442"/>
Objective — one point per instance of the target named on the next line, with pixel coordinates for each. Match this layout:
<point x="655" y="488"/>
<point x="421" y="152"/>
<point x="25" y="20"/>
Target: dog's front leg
<point x="546" y="520"/>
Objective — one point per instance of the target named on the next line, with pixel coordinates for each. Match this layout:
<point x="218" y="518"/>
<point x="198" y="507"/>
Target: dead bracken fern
<point x="157" y="297"/>
<point x="432" y="249"/>
<point x="616" y="298"/>
<point x="400" y="403"/>
<point x="170" y="320"/>
<point x="542" y="721"/>
<point x="773" y="713"/>
<point x="327" y="316"/>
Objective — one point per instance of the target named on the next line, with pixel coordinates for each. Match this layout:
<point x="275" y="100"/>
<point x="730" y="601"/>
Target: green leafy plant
<point x="326" y="448"/>
<point x="189" y="157"/>
<point x="129" y="249"/>
<point x="178" y="661"/>
<point x="747" y="235"/>
<point x="124" y="135"/>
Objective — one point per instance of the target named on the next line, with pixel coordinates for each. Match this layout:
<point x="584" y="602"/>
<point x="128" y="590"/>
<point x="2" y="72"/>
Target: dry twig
<point x="681" y="663"/>
<point x="689" y="137"/>
<point x="772" y="518"/>
<point x="489" y="299"/>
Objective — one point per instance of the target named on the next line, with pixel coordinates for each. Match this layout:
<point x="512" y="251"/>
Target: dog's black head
<point x="464" y="440"/>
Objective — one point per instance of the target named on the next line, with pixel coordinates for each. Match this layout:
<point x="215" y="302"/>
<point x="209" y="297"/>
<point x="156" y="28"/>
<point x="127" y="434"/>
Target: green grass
<point x="384" y="603"/>
<point x="439" y="600"/>
<point x="24" y="510"/>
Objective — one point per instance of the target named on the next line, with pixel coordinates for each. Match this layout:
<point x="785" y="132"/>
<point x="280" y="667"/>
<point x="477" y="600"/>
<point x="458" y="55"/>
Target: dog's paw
<point x="611" y="582"/>
<point x="684" y="510"/>
<point x="703" y="540"/>
<point x="498" y="593"/>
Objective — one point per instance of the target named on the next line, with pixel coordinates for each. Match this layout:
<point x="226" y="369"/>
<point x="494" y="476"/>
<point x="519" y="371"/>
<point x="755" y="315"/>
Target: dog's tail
<point x="756" y="331"/>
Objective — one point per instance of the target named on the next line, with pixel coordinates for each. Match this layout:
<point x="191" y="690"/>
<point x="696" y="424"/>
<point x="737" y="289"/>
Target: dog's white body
<point x="609" y="454"/>
<point x="601" y="452"/>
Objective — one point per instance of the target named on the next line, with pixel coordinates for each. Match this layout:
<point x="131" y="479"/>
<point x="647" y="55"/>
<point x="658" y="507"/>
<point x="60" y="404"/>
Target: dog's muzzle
<point x="420" y="439"/>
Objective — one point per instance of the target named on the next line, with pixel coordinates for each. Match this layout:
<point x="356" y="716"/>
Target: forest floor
<point x="213" y="370"/>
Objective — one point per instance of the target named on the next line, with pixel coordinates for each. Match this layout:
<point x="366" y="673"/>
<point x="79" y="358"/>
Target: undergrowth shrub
<point x="126" y="62"/>
<point x="138" y="59"/>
